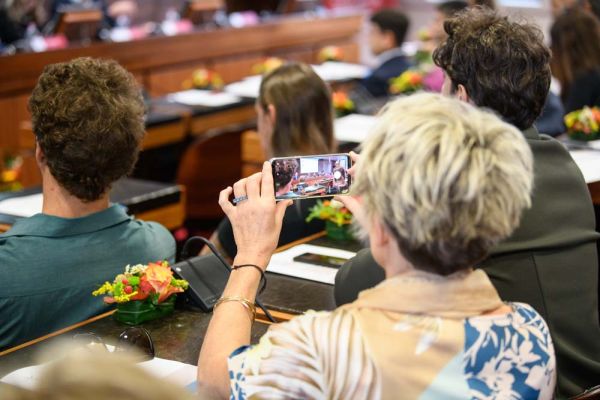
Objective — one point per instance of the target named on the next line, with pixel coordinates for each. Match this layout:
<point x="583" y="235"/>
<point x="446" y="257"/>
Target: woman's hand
<point x="256" y="221"/>
<point x="355" y="158"/>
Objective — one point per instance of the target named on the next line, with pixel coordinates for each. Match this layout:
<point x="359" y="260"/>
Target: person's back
<point x="51" y="265"/>
<point x="87" y="117"/>
<point x="551" y="260"/>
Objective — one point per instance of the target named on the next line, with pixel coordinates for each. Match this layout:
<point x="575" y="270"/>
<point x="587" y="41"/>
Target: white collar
<point x="388" y="55"/>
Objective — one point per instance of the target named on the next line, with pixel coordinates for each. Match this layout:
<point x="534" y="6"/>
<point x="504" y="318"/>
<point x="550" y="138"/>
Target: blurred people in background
<point x="17" y="15"/>
<point x="111" y="12"/>
<point x="575" y="45"/>
<point x="386" y="34"/>
<point x="435" y="32"/>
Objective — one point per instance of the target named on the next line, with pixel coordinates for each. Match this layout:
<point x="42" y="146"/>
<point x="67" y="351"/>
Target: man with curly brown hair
<point x="88" y="119"/>
<point x="551" y="260"/>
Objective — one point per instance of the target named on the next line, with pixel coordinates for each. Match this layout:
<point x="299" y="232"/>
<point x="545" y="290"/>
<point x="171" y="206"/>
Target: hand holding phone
<point x="306" y="177"/>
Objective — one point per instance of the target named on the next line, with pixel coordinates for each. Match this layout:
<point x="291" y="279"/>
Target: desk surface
<point x="139" y="196"/>
<point x="291" y="296"/>
<point x="176" y="337"/>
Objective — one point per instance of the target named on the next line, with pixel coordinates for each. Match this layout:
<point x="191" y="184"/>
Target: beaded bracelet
<point x="263" y="278"/>
<point x="248" y="305"/>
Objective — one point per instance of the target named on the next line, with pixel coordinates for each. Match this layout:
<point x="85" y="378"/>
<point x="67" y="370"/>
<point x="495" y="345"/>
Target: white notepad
<point x="24" y="206"/>
<point x="204" y="98"/>
<point x="283" y="263"/>
<point x="354" y="127"/>
<point x="588" y="162"/>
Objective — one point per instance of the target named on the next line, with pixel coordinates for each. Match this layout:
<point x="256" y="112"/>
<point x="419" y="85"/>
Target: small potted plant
<point x="330" y="53"/>
<point x="408" y="82"/>
<point x="583" y="124"/>
<point x="268" y="65"/>
<point x="338" y="219"/>
<point x="143" y="292"/>
<point x="342" y="104"/>
<point x="204" y="79"/>
<point x="10" y="172"/>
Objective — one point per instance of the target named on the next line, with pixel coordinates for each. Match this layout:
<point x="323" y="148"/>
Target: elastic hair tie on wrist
<point x="263" y="278"/>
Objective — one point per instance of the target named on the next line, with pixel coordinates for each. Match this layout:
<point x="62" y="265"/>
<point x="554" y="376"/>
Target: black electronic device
<point x="207" y="278"/>
<point x="321" y="260"/>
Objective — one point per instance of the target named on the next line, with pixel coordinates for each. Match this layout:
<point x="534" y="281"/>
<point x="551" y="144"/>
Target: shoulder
<point x="152" y="237"/>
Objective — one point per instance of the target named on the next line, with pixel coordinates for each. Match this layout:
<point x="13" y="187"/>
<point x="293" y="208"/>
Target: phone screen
<point x="311" y="176"/>
<point x="322" y="260"/>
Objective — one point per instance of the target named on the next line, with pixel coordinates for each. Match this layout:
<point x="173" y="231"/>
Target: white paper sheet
<point x="283" y="263"/>
<point x="354" y="127"/>
<point x="184" y="375"/>
<point x="340" y="71"/>
<point x="248" y="87"/>
<point x="204" y="98"/>
<point x="24" y="206"/>
<point x="588" y="162"/>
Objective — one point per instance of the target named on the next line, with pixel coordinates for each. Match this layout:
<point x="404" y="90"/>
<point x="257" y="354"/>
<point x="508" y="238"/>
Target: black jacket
<point x="550" y="262"/>
<point x="378" y="82"/>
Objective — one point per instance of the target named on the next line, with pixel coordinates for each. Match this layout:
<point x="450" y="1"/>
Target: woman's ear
<point x="272" y="113"/>
<point x="461" y="94"/>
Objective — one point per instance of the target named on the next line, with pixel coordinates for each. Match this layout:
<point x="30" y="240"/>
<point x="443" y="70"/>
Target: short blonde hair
<point x="448" y="180"/>
<point x="96" y="375"/>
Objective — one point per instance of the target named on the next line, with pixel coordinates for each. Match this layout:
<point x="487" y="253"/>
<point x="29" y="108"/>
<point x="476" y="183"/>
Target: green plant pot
<point x="336" y="232"/>
<point x="584" y="136"/>
<point x="137" y="312"/>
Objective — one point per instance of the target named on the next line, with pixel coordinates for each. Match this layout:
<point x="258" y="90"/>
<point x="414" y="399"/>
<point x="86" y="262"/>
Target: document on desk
<point x="340" y="71"/>
<point x="205" y="98"/>
<point x="283" y="263"/>
<point x="248" y="87"/>
<point x="22" y="206"/>
<point x="588" y="162"/>
<point x="184" y="375"/>
<point x="354" y="127"/>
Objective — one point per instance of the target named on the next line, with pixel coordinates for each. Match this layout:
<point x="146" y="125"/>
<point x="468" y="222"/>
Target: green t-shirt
<point x="49" y="267"/>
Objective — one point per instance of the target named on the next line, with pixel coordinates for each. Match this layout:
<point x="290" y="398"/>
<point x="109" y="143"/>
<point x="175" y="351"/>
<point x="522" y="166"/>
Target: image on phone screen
<point x="311" y="176"/>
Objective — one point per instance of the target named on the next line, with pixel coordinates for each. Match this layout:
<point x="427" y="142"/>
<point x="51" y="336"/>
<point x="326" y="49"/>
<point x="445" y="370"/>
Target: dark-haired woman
<point x="576" y="58"/>
<point x="295" y="118"/>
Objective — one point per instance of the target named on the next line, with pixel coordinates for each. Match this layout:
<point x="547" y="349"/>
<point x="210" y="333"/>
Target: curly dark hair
<point x="88" y="119"/>
<point x="284" y="171"/>
<point x="503" y="65"/>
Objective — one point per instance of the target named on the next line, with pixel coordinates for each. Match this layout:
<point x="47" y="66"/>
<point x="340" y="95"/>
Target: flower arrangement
<point x="342" y="104"/>
<point x="583" y="124"/>
<point x="153" y="283"/>
<point x="204" y="79"/>
<point x="408" y="82"/>
<point x="337" y="219"/>
<point x="268" y="65"/>
<point x="333" y="211"/>
<point x="330" y="53"/>
<point x="10" y="172"/>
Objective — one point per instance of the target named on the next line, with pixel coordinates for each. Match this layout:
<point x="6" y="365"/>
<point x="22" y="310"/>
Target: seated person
<point x="575" y="38"/>
<point x="88" y="120"/>
<point x="435" y="33"/>
<point x="283" y="177"/>
<point x="435" y="328"/>
<point x="386" y="35"/>
<point x="15" y="17"/>
<point x="295" y="118"/>
<point x="551" y="260"/>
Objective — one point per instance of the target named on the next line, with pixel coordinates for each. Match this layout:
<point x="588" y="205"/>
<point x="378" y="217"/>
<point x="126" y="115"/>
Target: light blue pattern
<point x="450" y="383"/>
<point x="509" y="357"/>
<point x="236" y="377"/>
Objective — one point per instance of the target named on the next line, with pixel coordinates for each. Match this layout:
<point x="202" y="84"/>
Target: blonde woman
<point x="438" y="184"/>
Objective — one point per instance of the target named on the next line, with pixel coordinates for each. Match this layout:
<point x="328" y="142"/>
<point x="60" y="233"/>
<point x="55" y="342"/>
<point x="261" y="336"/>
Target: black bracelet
<point x="263" y="278"/>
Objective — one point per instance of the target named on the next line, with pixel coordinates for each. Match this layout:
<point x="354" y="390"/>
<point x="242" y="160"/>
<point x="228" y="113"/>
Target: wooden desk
<point x="287" y="296"/>
<point x="176" y="337"/>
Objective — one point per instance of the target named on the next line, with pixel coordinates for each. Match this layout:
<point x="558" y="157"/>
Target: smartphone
<point x="322" y="260"/>
<point x="305" y="177"/>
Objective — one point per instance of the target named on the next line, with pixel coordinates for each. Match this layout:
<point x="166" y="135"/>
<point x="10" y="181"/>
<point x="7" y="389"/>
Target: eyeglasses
<point x="133" y="340"/>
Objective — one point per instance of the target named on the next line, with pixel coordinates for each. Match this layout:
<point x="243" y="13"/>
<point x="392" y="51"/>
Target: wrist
<point x="261" y="260"/>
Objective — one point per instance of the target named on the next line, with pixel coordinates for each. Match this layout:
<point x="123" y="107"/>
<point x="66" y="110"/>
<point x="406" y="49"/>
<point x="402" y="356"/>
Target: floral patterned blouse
<point x="417" y="335"/>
